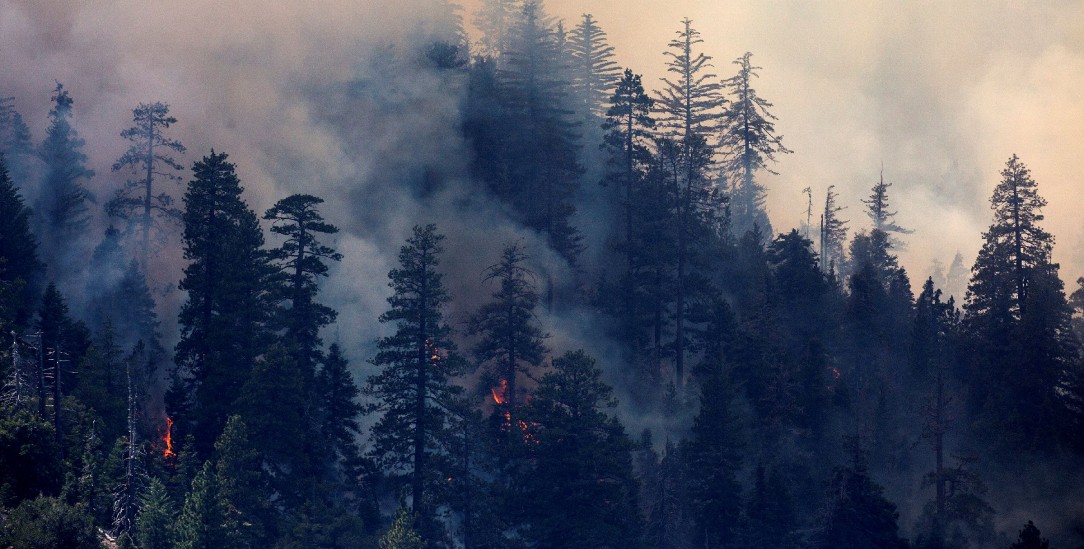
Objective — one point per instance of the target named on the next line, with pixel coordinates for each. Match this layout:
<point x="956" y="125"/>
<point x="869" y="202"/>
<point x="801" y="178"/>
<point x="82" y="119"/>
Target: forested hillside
<point x="551" y="309"/>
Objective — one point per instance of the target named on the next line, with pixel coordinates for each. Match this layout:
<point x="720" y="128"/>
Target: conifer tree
<point x="154" y="524"/>
<point x="1030" y="538"/>
<point x="149" y="158"/>
<point x="594" y="73"/>
<point x="511" y="340"/>
<point x="401" y="534"/>
<point x="200" y="524"/>
<point x="749" y="144"/>
<point x="241" y="487"/>
<point x="302" y="260"/>
<point x="19" y="264"/>
<point x="62" y="205"/>
<point x="858" y="515"/>
<point x="15" y="144"/>
<point x="833" y="234"/>
<point x="1020" y="322"/>
<point x="713" y="458"/>
<point x="224" y="322"/>
<point x="496" y="20"/>
<point x="338" y="396"/>
<point x="414" y="382"/>
<point x="545" y="167"/>
<point x="580" y="491"/>
<point x="690" y="100"/>
<point x="63" y="341"/>
<point x="628" y="127"/>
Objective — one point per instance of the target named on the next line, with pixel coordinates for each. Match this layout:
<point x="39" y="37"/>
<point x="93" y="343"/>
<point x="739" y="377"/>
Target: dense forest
<point x="591" y="335"/>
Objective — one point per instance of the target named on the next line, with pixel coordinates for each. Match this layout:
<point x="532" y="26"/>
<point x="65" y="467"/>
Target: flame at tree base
<point x="168" y="439"/>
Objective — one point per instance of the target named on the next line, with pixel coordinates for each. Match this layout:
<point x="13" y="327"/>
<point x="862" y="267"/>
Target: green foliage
<point x="19" y="264"/>
<point x="858" y="513"/>
<point x="49" y="523"/>
<point x="401" y="534"/>
<point x="510" y="341"/>
<point x="579" y="490"/>
<point x="302" y="260"/>
<point x="201" y="524"/>
<point x="240" y="487"/>
<point x="413" y="385"/>
<point x="225" y="318"/>
<point x="29" y="461"/>
<point x="154" y="524"/>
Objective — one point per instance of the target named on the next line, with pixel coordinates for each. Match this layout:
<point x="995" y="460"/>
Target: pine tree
<point x="544" y="163"/>
<point x="581" y="491"/>
<point x="496" y="19"/>
<point x="339" y="412"/>
<point x="30" y="462"/>
<point x="63" y="342"/>
<point x="148" y="158"/>
<point x="302" y="260"/>
<point x="713" y="459"/>
<point x="833" y="234"/>
<point x="749" y="143"/>
<point x="401" y="534"/>
<point x="628" y="127"/>
<point x="224" y="322"/>
<point x="15" y="142"/>
<point x="690" y="101"/>
<point x="62" y="205"/>
<point x="414" y="380"/>
<point x="19" y="264"/>
<point x="201" y="522"/>
<point x="511" y="340"/>
<point x="1019" y="322"/>
<point x="1030" y="538"/>
<point x="858" y="515"/>
<point x="594" y="73"/>
<point x="154" y="523"/>
<point x="241" y="487"/>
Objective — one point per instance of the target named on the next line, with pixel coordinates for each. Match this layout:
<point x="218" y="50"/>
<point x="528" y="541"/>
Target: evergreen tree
<point x="202" y="520"/>
<point x="496" y="20"/>
<point x="749" y="143"/>
<point x="62" y="205"/>
<point x="628" y="127"/>
<point x="225" y="319"/>
<point x="338" y="396"/>
<point x="49" y="523"/>
<point x="594" y="73"/>
<point x="580" y="490"/>
<point x="19" y="264"/>
<point x="148" y="158"/>
<point x="241" y="488"/>
<point x="302" y="259"/>
<point x="1019" y="321"/>
<point x="689" y="101"/>
<point x="713" y="459"/>
<point x="401" y="535"/>
<point x="413" y="385"/>
<point x="15" y="144"/>
<point x="29" y="461"/>
<point x="154" y="523"/>
<point x="1030" y="538"/>
<point x="511" y="340"/>
<point x="833" y="234"/>
<point x="63" y="342"/>
<point x="858" y="515"/>
<point x="545" y="167"/>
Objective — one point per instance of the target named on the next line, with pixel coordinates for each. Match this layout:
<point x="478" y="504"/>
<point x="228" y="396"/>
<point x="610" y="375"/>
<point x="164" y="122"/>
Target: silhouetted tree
<point x="749" y="144"/>
<point x="149" y="158"/>
<point x="594" y="73"/>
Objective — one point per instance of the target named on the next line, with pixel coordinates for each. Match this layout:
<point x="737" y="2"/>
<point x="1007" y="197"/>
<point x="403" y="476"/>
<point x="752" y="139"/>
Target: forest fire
<point x="498" y="396"/>
<point x="168" y="439"/>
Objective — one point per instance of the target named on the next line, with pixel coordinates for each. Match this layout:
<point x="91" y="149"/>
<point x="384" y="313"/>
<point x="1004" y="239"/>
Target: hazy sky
<point x="941" y="92"/>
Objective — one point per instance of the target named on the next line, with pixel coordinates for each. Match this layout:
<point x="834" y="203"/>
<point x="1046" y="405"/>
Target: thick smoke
<point x="331" y="99"/>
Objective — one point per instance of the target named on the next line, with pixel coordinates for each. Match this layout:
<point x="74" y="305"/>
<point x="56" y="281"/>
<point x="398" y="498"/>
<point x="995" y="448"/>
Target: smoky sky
<point x="941" y="93"/>
<point x="323" y="98"/>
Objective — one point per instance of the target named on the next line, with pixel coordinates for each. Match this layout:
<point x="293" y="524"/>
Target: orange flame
<point x="168" y="439"/>
<point x="498" y="396"/>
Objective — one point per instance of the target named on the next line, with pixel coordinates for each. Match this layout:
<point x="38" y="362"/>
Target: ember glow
<point x="498" y="394"/>
<point x="168" y="439"/>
